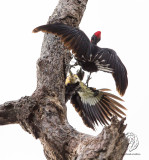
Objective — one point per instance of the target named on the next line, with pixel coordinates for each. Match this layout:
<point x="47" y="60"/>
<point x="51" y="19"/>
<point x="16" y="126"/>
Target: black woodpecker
<point x="88" y="55"/>
<point x="94" y="106"/>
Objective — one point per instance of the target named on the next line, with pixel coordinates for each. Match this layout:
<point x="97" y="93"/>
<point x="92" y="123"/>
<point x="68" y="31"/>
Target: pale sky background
<point x="125" y="28"/>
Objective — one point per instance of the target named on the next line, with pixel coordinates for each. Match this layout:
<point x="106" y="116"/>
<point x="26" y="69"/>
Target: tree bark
<point x="44" y="113"/>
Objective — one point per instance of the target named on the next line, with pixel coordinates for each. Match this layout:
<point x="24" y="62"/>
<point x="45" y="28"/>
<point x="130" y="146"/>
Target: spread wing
<point x="107" y="60"/>
<point x="73" y="38"/>
<point x="77" y="41"/>
<point x="97" y="109"/>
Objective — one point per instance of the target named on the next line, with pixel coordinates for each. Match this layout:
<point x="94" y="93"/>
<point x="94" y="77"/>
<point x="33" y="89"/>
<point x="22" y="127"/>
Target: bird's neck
<point x="94" y="43"/>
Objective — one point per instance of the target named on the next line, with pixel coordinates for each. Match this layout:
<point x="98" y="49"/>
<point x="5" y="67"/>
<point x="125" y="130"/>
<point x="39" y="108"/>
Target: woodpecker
<point x="72" y="83"/>
<point x="94" y="106"/>
<point x="88" y="55"/>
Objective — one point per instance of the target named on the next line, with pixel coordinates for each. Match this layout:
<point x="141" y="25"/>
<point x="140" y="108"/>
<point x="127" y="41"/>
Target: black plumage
<point x="88" y="55"/>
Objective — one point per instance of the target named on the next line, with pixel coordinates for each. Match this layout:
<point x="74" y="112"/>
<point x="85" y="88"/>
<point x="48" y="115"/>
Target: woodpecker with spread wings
<point x="94" y="106"/>
<point x="88" y="55"/>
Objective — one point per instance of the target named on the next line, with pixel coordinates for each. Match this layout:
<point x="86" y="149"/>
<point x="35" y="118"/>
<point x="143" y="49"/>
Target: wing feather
<point x="97" y="109"/>
<point x="108" y="61"/>
<point x="106" y="115"/>
<point x="111" y="109"/>
<point x="73" y="38"/>
<point x="80" y="108"/>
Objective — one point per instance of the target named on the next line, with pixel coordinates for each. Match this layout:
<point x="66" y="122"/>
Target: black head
<point x="96" y="37"/>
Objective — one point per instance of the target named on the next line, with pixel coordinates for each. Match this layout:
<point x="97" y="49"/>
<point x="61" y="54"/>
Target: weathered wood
<point x="54" y="60"/>
<point x="44" y="113"/>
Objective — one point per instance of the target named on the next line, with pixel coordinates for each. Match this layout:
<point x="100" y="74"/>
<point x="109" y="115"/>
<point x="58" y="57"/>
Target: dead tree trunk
<point x="44" y="113"/>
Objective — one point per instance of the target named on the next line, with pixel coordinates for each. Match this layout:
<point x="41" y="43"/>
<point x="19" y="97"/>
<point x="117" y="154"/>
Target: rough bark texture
<point x="44" y="113"/>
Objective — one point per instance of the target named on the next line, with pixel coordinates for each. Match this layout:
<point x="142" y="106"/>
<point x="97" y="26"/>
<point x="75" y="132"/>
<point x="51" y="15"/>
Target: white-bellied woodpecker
<point x="88" y="55"/>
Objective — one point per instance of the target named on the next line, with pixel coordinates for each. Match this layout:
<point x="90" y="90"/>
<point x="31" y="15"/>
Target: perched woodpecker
<point x="94" y="106"/>
<point x="88" y="55"/>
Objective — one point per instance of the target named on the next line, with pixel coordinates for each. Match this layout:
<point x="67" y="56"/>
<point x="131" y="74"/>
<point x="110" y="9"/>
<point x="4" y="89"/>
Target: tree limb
<point x="44" y="113"/>
<point x="7" y="113"/>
